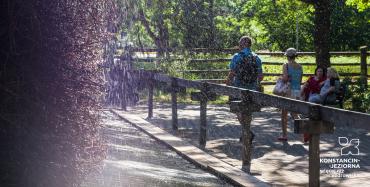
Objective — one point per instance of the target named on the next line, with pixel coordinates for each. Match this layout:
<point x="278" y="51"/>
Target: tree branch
<point x="309" y="1"/>
<point x="146" y="24"/>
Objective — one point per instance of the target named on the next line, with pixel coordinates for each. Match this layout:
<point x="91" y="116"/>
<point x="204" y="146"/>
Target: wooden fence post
<point x="174" y="103"/>
<point x="150" y="96"/>
<point x="122" y="91"/>
<point x="363" y="50"/>
<point x="314" y="126"/>
<point x="203" y="97"/>
<point x="314" y="149"/>
<point x="314" y="161"/>
<point x="203" y="123"/>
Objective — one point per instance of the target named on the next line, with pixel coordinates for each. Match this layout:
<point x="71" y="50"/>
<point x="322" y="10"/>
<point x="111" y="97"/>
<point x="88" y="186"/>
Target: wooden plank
<point x="189" y="83"/>
<point x="174" y="105"/>
<point x="222" y="60"/>
<point x="302" y="126"/>
<point x="193" y="154"/>
<point x="263" y="99"/>
<point x="314" y="161"/>
<point x="337" y="116"/>
<point x="235" y="50"/>
<point x="203" y="124"/>
<point x="150" y="100"/>
<point x="221" y="81"/>
<point x="264" y="74"/>
<point x="156" y="59"/>
<point x="162" y="78"/>
<point x="202" y="96"/>
<point x="225" y="90"/>
<point x="363" y="50"/>
<point x="210" y="60"/>
<point x="346" y="118"/>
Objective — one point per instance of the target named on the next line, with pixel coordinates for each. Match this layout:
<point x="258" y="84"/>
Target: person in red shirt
<point x="314" y="83"/>
<point x="312" y="86"/>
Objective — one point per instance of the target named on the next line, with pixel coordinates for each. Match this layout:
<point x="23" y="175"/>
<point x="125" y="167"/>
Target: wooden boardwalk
<point x="137" y="160"/>
<point x="279" y="163"/>
<point x="193" y="154"/>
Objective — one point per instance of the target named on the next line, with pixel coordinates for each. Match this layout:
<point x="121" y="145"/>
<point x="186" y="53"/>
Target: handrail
<point x="337" y="116"/>
<point x="152" y="59"/>
<point x="264" y="74"/>
<point x="321" y="119"/>
<point x="234" y="50"/>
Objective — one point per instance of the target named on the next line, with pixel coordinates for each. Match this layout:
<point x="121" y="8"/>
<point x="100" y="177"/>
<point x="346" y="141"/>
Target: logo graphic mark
<point x="349" y="147"/>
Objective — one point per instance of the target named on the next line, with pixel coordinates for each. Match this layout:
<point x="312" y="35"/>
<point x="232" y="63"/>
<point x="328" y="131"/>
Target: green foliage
<point x="358" y="97"/>
<point x="361" y="5"/>
<point x="280" y="20"/>
<point x="349" y="27"/>
<point x="273" y="25"/>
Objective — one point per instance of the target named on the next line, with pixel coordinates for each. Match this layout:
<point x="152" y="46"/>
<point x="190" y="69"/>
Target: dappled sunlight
<point x="134" y="159"/>
<point x="272" y="160"/>
<point x="156" y="171"/>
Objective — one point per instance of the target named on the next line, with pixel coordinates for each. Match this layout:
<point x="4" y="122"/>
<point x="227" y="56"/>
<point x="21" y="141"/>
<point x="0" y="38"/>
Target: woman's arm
<point x="230" y="77"/>
<point x="304" y="87"/>
<point x="300" y="66"/>
<point x="285" y="73"/>
<point x="330" y="90"/>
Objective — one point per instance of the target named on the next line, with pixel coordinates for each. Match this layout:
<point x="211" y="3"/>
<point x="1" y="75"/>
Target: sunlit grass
<point x="177" y="66"/>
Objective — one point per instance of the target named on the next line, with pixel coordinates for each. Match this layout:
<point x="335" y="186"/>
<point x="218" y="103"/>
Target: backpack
<point x="247" y="70"/>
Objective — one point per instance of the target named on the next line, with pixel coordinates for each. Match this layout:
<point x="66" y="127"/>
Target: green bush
<point x="358" y="97"/>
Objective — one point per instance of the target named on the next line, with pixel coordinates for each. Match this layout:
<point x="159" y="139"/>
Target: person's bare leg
<point x="284" y="123"/>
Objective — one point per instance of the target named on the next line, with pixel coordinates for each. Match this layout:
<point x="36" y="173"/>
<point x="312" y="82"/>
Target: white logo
<point x="349" y="147"/>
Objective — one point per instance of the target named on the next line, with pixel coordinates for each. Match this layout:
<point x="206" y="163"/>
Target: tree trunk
<point x="211" y="24"/>
<point x="161" y="40"/>
<point x="321" y="35"/>
<point x="322" y="32"/>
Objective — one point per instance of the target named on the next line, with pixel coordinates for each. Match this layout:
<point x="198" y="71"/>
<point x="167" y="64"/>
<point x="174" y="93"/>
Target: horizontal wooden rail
<point x="265" y="74"/>
<point x="337" y="116"/>
<point x="222" y="81"/>
<point x="265" y="83"/>
<point x="228" y="60"/>
<point x="215" y="60"/>
<point x="321" y="119"/>
<point x="156" y="59"/>
<point x="235" y="50"/>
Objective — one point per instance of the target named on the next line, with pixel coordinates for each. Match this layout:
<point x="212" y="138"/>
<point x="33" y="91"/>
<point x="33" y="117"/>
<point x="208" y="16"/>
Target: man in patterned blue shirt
<point x="233" y="79"/>
<point x="245" y="43"/>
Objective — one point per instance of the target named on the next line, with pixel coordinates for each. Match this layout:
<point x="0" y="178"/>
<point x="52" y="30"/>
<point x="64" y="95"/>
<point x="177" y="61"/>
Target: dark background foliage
<point x="50" y="89"/>
<point x="274" y="25"/>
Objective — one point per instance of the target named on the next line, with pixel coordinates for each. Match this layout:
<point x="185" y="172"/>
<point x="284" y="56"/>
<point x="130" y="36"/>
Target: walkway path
<point x="282" y="164"/>
<point x="134" y="159"/>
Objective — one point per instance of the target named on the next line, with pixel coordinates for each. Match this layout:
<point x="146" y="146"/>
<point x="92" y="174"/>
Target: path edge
<point x="208" y="163"/>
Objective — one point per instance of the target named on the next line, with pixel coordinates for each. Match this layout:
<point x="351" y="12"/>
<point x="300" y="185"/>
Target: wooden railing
<point x="235" y="50"/>
<point x="363" y="53"/>
<point x="321" y="119"/>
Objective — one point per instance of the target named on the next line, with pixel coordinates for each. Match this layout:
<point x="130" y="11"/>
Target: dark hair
<point x="323" y="70"/>
<point x="292" y="57"/>
<point x="245" y="41"/>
